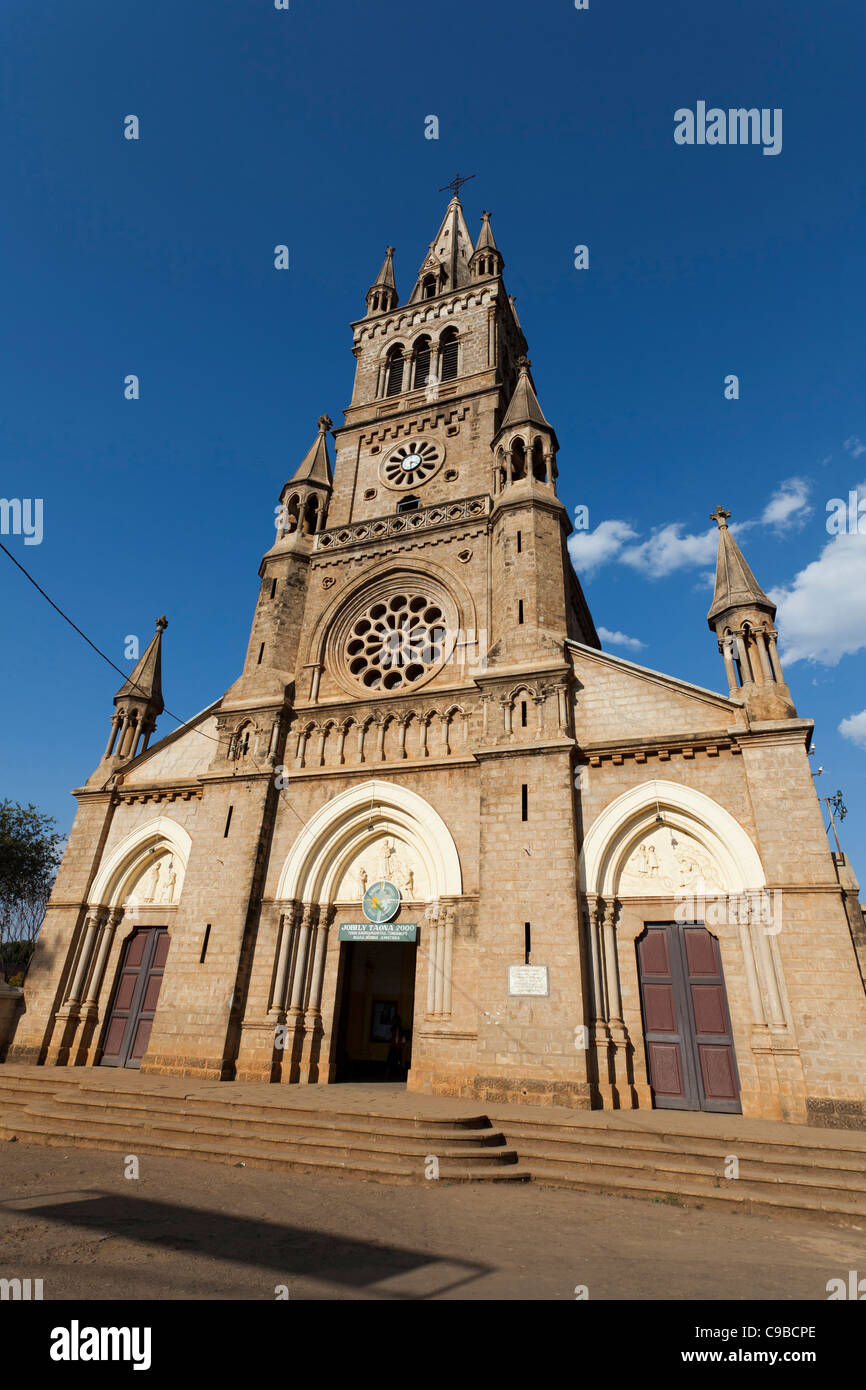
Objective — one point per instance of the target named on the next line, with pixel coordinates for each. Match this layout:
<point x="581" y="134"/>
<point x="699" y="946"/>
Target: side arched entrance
<point x="687" y="988"/>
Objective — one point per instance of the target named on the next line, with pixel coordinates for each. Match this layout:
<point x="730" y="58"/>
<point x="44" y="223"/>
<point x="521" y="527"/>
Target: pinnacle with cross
<point x="161" y="623"/>
<point x="456" y="182"/>
<point x="720" y="517"/>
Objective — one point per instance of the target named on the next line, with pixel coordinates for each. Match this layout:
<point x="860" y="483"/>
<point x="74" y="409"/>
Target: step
<point x="676" y="1180"/>
<point x="53" y="1117"/>
<point x="257" y="1156"/>
<point x="838" y="1212"/>
<point x="284" y="1116"/>
<point x="692" y="1162"/>
<point x="836" y="1143"/>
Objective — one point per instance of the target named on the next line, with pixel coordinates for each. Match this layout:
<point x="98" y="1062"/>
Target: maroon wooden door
<point x="132" y="1011"/>
<point x="687" y="1028"/>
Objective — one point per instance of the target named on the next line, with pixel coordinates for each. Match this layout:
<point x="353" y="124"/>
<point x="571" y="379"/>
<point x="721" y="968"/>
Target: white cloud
<point x="590" y="549"/>
<point x="788" y="506"/>
<point x="854" y="728"/>
<point x="668" y="549"/>
<point x="822" y="614"/>
<point x="619" y="639"/>
<point x="854" y="446"/>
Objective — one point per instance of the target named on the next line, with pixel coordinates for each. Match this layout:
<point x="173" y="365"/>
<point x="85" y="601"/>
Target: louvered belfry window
<point x="394" y="379"/>
<point x="422" y="363"/>
<point x="448" y="355"/>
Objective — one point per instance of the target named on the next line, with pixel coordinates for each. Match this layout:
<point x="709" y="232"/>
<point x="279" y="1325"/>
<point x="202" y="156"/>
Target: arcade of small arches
<point x="411" y="368"/>
<point x="431" y="733"/>
<point x="521" y="458"/>
<point x="751" y="655"/>
<point x="305" y="516"/>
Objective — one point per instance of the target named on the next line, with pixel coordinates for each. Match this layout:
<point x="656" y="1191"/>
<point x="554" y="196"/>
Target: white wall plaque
<point x="527" y="979"/>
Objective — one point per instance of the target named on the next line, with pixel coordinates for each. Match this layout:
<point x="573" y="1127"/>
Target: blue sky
<point x="307" y="127"/>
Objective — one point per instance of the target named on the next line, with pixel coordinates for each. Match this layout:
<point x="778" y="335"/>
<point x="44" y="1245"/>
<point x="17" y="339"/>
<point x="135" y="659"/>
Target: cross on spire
<point x="456" y="182"/>
<point x="720" y="517"/>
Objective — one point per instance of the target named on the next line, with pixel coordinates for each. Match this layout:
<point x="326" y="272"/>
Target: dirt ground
<point x="185" y="1229"/>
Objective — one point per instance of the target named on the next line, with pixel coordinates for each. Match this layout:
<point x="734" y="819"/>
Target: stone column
<point x="380" y="741"/>
<point x="726" y="648"/>
<point x="299" y="973"/>
<point x="422" y="734"/>
<point x="761" y="639"/>
<point x="614" y="1002"/>
<point x="508" y="715"/>
<point x="774" y="657"/>
<point x="313" y="1028"/>
<point x="284" y="947"/>
<point x="447" y="960"/>
<point x="115" y="729"/>
<point x="106" y="938"/>
<point x="302" y="746"/>
<point x="341" y="742"/>
<point x="401" y="734"/>
<point x="92" y="923"/>
<point x="320" y="755"/>
<point x="592" y="912"/>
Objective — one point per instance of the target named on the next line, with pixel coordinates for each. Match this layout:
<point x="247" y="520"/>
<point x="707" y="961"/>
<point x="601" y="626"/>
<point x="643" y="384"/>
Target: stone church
<point x="433" y="832"/>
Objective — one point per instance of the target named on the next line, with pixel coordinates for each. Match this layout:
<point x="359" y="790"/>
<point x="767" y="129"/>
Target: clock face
<point x="410" y="462"/>
<point x="381" y="901"/>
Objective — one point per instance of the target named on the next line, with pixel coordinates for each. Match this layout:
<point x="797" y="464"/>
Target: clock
<point x="410" y="462"/>
<point x="381" y="901"/>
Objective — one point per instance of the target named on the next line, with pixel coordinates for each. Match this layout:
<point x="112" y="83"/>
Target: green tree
<point x="30" y="851"/>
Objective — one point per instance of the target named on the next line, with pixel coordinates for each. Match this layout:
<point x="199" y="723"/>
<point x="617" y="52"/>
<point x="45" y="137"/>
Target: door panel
<point x="131" y="1017"/>
<point x="687" y="1028"/>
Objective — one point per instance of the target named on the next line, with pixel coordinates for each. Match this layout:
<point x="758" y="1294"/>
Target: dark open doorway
<point x="377" y="997"/>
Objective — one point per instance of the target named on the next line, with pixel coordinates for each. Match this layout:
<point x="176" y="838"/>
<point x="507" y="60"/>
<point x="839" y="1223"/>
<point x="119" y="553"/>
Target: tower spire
<point x="382" y="294"/>
<point x="486" y="259"/>
<point x="446" y="265"/>
<point x="742" y="617"/>
<point x="138" y="703"/>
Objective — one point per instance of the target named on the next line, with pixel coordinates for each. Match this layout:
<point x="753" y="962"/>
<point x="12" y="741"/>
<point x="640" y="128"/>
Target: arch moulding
<point x="357" y="817"/>
<point x="128" y="858"/>
<point x="622" y="825"/>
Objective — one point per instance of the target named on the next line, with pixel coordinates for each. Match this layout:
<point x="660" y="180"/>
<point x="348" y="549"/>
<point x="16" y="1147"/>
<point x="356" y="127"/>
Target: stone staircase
<point x="389" y="1135"/>
<point x="682" y="1159"/>
<point x="88" y="1109"/>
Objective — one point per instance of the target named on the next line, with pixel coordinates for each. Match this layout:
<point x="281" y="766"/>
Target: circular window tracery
<point x="396" y="641"/>
<point x="411" y="463"/>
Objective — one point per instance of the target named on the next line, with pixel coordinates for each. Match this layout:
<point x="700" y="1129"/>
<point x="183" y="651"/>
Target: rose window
<point x="412" y="463"/>
<point x="397" y="641"/>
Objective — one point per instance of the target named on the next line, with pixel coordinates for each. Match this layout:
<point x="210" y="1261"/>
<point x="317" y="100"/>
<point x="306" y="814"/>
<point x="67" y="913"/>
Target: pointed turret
<point x="486" y="260"/>
<point x="304" y="499"/>
<point x="742" y="618"/>
<point x="138" y="703"/>
<point x="446" y="265"/>
<point x="382" y="294"/>
<point x="525" y="444"/>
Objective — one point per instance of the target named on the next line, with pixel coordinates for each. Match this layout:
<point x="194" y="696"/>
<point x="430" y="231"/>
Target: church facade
<point x="433" y="831"/>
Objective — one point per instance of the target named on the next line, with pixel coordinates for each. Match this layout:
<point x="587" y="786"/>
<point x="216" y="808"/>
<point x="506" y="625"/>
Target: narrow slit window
<point x="261" y="654"/>
<point x="524" y="802"/>
<point x="228" y="823"/>
<point x="520" y="610"/>
<point x="273" y="587"/>
<point x="523" y="713"/>
<point x="527" y="943"/>
<point x="519" y="542"/>
<point x="205" y="940"/>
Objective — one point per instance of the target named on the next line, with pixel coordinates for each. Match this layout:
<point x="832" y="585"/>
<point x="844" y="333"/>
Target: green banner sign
<point x="378" y="931"/>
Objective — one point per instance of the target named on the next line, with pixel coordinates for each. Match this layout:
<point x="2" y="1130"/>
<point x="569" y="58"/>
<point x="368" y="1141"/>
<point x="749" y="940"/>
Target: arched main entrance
<point x="352" y="990"/>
